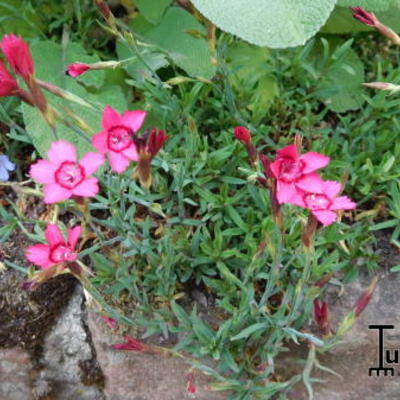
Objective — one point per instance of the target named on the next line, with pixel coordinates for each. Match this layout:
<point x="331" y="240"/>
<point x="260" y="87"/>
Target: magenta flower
<point x="58" y="250"/>
<point x="18" y="55"/>
<point x="77" y="69"/>
<point x="293" y="171"/>
<point x="63" y="176"/>
<point x="116" y="138"/>
<point x="324" y="203"/>
<point x="8" y="85"/>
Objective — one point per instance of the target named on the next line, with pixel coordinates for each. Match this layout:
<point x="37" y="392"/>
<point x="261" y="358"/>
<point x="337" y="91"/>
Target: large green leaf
<point x="272" y="23"/>
<point x="174" y="36"/>
<point x="370" y="5"/>
<point x="152" y="10"/>
<point x="50" y="63"/>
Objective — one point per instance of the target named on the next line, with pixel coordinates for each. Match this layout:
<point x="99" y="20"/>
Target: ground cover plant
<point x="170" y="158"/>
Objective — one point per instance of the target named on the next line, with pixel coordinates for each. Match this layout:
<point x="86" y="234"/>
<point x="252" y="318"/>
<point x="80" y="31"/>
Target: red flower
<point x="18" y="55"/>
<point x="243" y="134"/>
<point x="8" y="85"/>
<point x="77" y="69"/>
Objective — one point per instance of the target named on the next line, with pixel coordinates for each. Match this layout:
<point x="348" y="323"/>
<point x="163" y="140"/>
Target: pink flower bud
<point x="190" y="385"/>
<point x="365" y="298"/>
<point x="243" y="134"/>
<point x="77" y="69"/>
<point x="8" y="85"/>
<point x="18" y="55"/>
<point x="364" y="16"/>
<point x="110" y="322"/>
<point x="321" y="315"/>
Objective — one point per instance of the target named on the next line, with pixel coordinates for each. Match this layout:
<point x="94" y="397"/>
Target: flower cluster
<point x="294" y="180"/>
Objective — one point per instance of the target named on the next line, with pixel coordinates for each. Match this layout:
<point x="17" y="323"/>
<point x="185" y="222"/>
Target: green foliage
<point x="51" y="62"/>
<point x="271" y="23"/>
<point x="252" y="78"/>
<point x="180" y="37"/>
<point x="339" y="75"/>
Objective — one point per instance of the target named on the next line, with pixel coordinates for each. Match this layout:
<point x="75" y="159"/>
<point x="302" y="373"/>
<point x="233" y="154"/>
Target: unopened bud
<point x="365" y="298"/>
<point x="370" y="19"/>
<point x="382" y="86"/>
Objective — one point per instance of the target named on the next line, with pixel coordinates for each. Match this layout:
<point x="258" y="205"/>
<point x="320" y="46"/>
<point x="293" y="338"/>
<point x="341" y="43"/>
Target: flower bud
<point x="243" y="134"/>
<point x="365" y="298"/>
<point x="321" y="315"/>
<point x="370" y="19"/>
<point x="383" y="86"/>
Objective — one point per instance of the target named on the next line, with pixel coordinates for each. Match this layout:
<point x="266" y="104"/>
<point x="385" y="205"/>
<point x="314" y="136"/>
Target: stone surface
<point x="138" y="376"/>
<point x="15" y="375"/>
<point x="358" y="351"/>
<point x="66" y="356"/>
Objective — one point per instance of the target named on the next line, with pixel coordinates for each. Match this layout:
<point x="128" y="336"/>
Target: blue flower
<point x="5" y="166"/>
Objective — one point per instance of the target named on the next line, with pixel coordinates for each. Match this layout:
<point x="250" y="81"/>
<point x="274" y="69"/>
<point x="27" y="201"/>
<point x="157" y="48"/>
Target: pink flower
<point x="116" y="137"/>
<point x="8" y="85"/>
<point x="77" y="69"/>
<point x="324" y="202"/>
<point x="57" y="251"/>
<point x="18" y="55"/>
<point x="293" y="171"/>
<point x="63" y="176"/>
<point x="243" y="134"/>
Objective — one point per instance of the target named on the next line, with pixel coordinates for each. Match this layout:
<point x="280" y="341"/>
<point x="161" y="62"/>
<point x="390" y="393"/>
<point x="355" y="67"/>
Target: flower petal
<point x="325" y="217"/>
<point x="288" y="152"/>
<point x="54" y="193"/>
<point x="119" y="163"/>
<point x="99" y="141"/>
<point x="133" y="119"/>
<point x="275" y="168"/>
<point x="131" y="153"/>
<point x="91" y="162"/>
<point x="61" y="151"/>
<point x="110" y="118"/>
<point x="4" y="175"/>
<point x="43" y="171"/>
<point x="343" y="203"/>
<point x="53" y="235"/>
<point x="332" y="188"/>
<point x="73" y="236"/>
<point x="87" y="188"/>
<point x="39" y="255"/>
<point x="311" y="183"/>
<point x="313" y="161"/>
<point x="285" y="192"/>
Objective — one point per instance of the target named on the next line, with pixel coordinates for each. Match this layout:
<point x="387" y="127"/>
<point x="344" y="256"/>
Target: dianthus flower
<point x="116" y="138"/>
<point x="324" y="203"/>
<point x="57" y="250"/>
<point x="293" y="172"/>
<point x="63" y="176"/>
